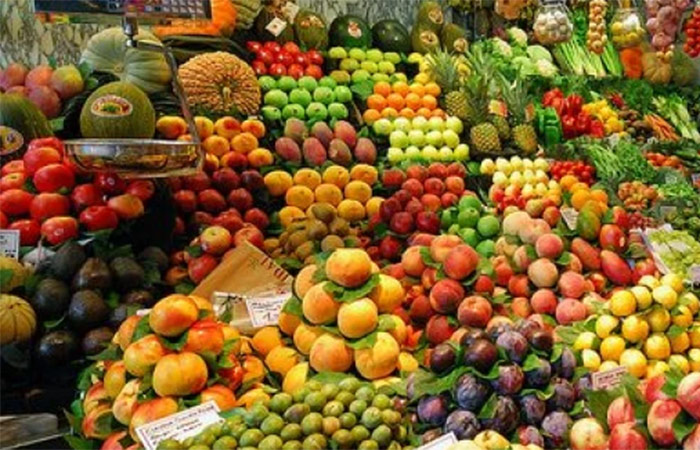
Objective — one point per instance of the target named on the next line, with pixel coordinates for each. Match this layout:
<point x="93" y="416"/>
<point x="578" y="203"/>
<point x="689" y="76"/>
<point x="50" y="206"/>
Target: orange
<point x="401" y="88"/>
<point x="395" y="101"/>
<point x="429" y="102"/>
<point x="418" y="89"/>
<point x="580" y="198"/>
<point x="425" y="112"/>
<point x="600" y="195"/>
<point x="413" y="101"/>
<point x="408" y="113"/>
<point x="376" y="101"/>
<point x="433" y="89"/>
<point x="438" y="112"/>
<point x="382" y="88"/>
<point x="567" y="181"/>
<point x="371" y="115"/>
<point x="579" y="186"/>
<point x="244" y="143"/>
<point x="389" y="112"/>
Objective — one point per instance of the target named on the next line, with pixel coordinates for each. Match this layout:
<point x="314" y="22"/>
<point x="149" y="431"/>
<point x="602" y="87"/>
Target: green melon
<point x="118" y="110"/>
<point x="310" y="30"/>
<point x="19" y="115"/>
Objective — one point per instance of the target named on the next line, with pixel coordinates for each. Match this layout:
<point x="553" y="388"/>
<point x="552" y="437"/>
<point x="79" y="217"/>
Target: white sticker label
<point x="290" y="11"/>
<point x="9" y="243"/>
<point x="570" y="216"/>
<point x="178" y="426"/>
<point x="265" y="310"/>
<point x="608" y="379"/>
<point x="276" y="26"/>
<point x="695" y="274"/>
<point x="442" y="443"/>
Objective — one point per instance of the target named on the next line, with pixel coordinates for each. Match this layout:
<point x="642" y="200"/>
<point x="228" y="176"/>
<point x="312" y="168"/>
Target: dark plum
<point x="528" y="434"/>
<point x="432" y="410"/>
<point x="431" y="435"/>
<point x="472" y="336"/>
<point x="582" y="384"/>
<point x="514" y="344"/>
<point x="470" y="393"/>
<point x="564" y="395"/>
<point x="463" y="424"/>
<point x="542" y="340"/>
<point x="556" y="430"/>
<point x="443" y="358"/>
<point x="566" y="364"/>
<point x="533" y="409"/>
<point x="510" y="380"/>
<point x="496" y="330"/>
<point x="482" y="355"/>
<point x="540" y="376"/>
<point x="505" y="416"/>
<point x="527" y="328"/>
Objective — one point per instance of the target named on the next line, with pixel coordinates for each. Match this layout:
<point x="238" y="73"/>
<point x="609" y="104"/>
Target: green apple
<point x="403" y="124"/>
<point x="398" y="138"/>
<point x="450" y="138"/>
<point x="383" y="127"/>
<point x="392" y="57"/>
<point x="395" y="155"/>
<point x="434" y="137"/>
<point x="343" y="94"/>
<point x="349" y="64"/>
<point x="271" y="113"/>
<point x="420" y="123"/>
<point x="300" y="96"/>
<point x="436" y="123"/>
<point x="267" y="83"/>
<point x="276" y="97"/>
<point x="360" y="75"/>
<point x="376" y="77"/>
<point x="468" y="217"/>
<point x="286" y="83"/>
<point x="316" y="111"/>
<point x="369" y="66"/>
<point x="357" y="53"/>
<point x="416" y="137"/>
<point x="446" y="154"/>
<point x="413" y="153"/>
<point x="308" y="83"/>
<point x="338" y="111"/>
<point x="455" y="124"/>
<point x="293" y="111"/>
<point x="386" y="67"/>
<point x="327" y="82"/>
<point x="324" y="95"/>
<point x="337" y="53"/>
<point x="430" y="153"/>
<point x="469" y="236"/>
<point x="400" y="76"/>
<point x="374" y="54"/>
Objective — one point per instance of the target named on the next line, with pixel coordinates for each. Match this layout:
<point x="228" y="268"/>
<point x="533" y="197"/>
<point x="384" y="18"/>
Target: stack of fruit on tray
<point x="304" y="99"/>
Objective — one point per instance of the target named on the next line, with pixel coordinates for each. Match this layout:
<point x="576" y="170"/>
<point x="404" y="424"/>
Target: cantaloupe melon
<point x="118" y="110"/>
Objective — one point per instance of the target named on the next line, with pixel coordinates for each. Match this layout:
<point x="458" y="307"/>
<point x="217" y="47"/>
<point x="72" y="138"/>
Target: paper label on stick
<point x="265" y="310"/>
<point x="9" y="243"/>
<point x="608" y="379"/>
<point x="442" y="443"/>
<point x="290" y="11"/>
<point x="276" y="26"/>
<point x="179" y="426"/>
<point x="570" y="216"/>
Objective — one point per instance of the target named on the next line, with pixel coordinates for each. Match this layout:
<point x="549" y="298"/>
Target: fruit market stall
<point x="257" y="226"/>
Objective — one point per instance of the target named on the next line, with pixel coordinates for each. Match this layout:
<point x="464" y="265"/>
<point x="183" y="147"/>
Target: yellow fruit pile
<point x="648" y="328"/>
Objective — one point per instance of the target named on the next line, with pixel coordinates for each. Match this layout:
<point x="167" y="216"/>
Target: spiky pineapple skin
<point x="484" y="137"/>
<point x="501" y="124"/>
<point x="456" y="104"/>
<point x="525" y="138"/>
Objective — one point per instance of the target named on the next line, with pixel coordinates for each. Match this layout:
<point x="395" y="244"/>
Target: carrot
<point x="631" y="59"/>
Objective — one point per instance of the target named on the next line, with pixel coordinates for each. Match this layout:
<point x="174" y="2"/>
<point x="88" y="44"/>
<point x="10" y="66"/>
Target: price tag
<point x="570" y="216"/>
<point x="276" y="26"/>
<point x="695" y="177"/>
<point x="694" y="272"/>
<point x="178" y="426"/>
<point x="290" y="11"/>
<point x="266" y="310"/>
<point x="608" y="379"/>
<point x="9" y="243"/>
<point x="442" y="443"/>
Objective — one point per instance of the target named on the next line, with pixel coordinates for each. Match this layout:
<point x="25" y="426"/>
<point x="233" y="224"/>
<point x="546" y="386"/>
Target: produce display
<point x="481" y="228"/>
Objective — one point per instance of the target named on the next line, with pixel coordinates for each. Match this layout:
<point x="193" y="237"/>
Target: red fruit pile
<point x="692" y="34"/>
<point x="584" y="172"/>
<point x="274" y="59"/>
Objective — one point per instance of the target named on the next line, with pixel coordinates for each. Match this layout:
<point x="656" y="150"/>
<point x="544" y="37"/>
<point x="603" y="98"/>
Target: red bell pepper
<point x="558" y="105"/>
<point x="583" y="122"/>
<point x="568" y="124"/>
<point x="52" y="142"/>
<point x="596" y="129"/>
<point x="550" y="95"/>
<point x="574" y="102"/>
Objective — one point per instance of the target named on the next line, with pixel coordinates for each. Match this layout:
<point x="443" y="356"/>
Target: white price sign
<point x="266" y="310"/>
<point x="570" y="216"/>
<point x="178" y="426"/>
<point x="442" y="443"/>
<point x="9" y="243"/>
<point x="276" y="26"/>
<point x="608" y="379"/>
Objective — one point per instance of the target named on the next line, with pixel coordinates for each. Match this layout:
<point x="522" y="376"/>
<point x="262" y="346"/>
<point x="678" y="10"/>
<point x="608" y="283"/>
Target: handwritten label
<point x="608" y="379"/>
<point x="290" y="11"/>
<point x="570" y="216"/>
<point x="442" y="443"/>
<point x="694" y="272"/>
<point x="276" y="26"/>
<point x="266" y="310"/>
<point x="9" y="243"/>
<point x="178" y="426"/>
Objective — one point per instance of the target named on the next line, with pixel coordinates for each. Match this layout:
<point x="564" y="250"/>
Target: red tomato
<point x="259" y="67"/>
<point x="13" y="180"/>
<point x="99" y="218"/>
<point x="29" y="231"/>
<point x="85" y="195"/>
<point x="110" y="183"/>
<point x="272" y="46"/>
<point x="295" y="71"/>
<point x="47" y="205"/>
<point x="40" y="157"/>
<point x="3" y="220"/>
<point x="253" y="46"/>
<point x="291" y="47"/>
<point x="266" y="56"/>
<point x="314" y="57"/>
<point x="53" y="178"/>
<point x="15" y="202"/>
<point x="314" y="71"/>
<point x="284" y="57"/>
<point x="13" y="167"/>
<point x="301" y="59"/>
<point x="59" y="229"/>
<point x="143" y="189"/>
<point x="47" y="142"/>
<point x="277" y="69"/>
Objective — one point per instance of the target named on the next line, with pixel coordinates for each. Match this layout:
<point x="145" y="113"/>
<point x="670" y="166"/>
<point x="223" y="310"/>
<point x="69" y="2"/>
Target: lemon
<point x="691" y="301"/>
<point x="674" y="281"/>
<point x="643" y="296"/>
<point x="623" y="303"/>
<point x="683" y="317"/>
<point x="591" y="360"/>
<point x="695" y="336"/>
<point x="649" y="281"/>
<point x="659" y="319"/>
<point x="680" y="343"/>
<point x="635" y="361"/>
<point x="608" y="365"/>
<point x="586" y="340"/>
<point x="611" y="348"/>
<point x="665" y="295"/>
<point x="657" y="346"/>
<point x="605" y="325"/>
<point x="635" y="329"/>
<point x="694" y="358"/>
<point x="657" y="368"/>
<point x="679" y="362"/>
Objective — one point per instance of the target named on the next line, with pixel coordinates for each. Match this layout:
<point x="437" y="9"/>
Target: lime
<point x="225" y="443"/>
<point x="488" y="226"/>
<point x="468" y="217"/>
<point x="382" y="434"/>
<point x="316" y="441"/>
<point x="296" y="413"/>
<point x="345" y="398"/>
<point x="372" y="417"/>
<point x="251" y="438"/>
<point x="348" y="420"/>
<point x="280" y="402"/>
<point x="365" y="393"/>
<point x="291" y="431"/>
<point x="315" y="400"/>
<point x="330" y="390"/>
<point x="292" y="445"/>
<point x="486" y="248"/>
<point x="330" y="425"/>
<point x="205" y="438"/>
<point x="358" y="407"/>
<point x="169" y="444"/>
<point x="271" y="442"/>
<point x="470" y="236"/>
<point x="359" y="433"/>
<point x="286" y="83"/>
<point x="381" y="401"/>
<point x="343" y="438"/>
<point x="368" y="445"/>
<point x="272" y="424"/>
<point x="333" y="409"/>
<point x="470" y="201"/>
<point x="350" y="384"/>
<point x="313" y="423"/>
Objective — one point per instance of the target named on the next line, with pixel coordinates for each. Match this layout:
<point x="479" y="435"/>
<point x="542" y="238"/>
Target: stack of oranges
<point x="581" y="193"/>
<point x="403" y="100"/>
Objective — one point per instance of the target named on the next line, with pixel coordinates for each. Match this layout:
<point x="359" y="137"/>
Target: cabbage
<point x="546" y="68"/>
<point x="524" y="65"/>
<point x="537" y="53"/>
<point x="502" y="47"/>
<point x="517" y="36"/>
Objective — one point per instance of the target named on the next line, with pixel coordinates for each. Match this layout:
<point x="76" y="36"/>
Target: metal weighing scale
<point x="134" y="157"/>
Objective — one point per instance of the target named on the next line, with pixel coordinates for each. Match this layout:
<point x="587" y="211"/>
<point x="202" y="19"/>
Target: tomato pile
<point x="584" y="172"/>
<point x="274" y="59"/>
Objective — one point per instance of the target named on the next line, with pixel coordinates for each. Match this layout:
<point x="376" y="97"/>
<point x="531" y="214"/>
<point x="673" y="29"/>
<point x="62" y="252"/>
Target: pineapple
<point x="517" y="99"/>
<point x="502" y="125"/>
<point x="444" y="69"/>
<point x="483" y="133"/>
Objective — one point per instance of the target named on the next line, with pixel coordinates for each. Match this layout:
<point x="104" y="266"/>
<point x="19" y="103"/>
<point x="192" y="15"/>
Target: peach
<point x="441" y="246"/>
<point x="570" y="310"/>
<point x="253" y="126"/>
<point x="549" y="245"/>
<point x="474" y="311"/>
<point x="572" y="284"/>
<point x="521" y="307"/>
<point x="150" y="411"/>
<point x="349" y="267"/>
<point x="260" y="157"/>
<point x="142" y="355"/>
<point x="689" y="394"/>
<point x="588" y="434"/>
<point x="96" y="422"/>
<point x="265" y="339"/>
<point x="365" y="151"/>
<point x="244" y="143"/>
<point x="521" y="258"/>
<point x="544" y="301"/>
<point x="288" y="149"/>
<point x="322" y="132"/>
<point x="399" y="331"/>
<point x="412" y="261"/>
<point x="216" y="145"/>
<point x="345" y="131"/>
<point x="180" y="374"/>
<point x="115" y="378"/>
<point x="295" y="378"/>
<point x="329" y="353"/>
<point x="460" y="262"/>
<point x="692" y="441"/>
<point x="519" y="286"/>
<point x="281" y="359"/>
<point x="172" y="127"/>
<point x="484" y="285"/>
<point x="574" y="264"/>
<point x="502" y="271"/>
<point x="424" y="239"/>
<point x="543" y="273"/>
<point x="47" y="100"/>
<point x="221" y="395"/>
<point x="357" y="318"/>
<point x="615" y="268"/>
<point x="253" y="368"/>
<point x="13" y="75"/>
<point x="620" y="411"/>
<point x="204" y="126"/>
<point x="288" y="323"/>
<point x="589" y="255"/>
<point x="364" y="172"/>
<point x="516" y="221"/>
<point x="439" y="329"/>
<point x="380" y="360"/>
<point x="446" y="296"/>
<point x="227" y="127"/>
<point x="660" y="421"/>
<point x="126" y="402"/>
<point x="313" y="152"/>
<point x="67" y="81"/>
<point x="504" y="247"/>
<point x="251" y="397"/>
<point x="318" y="306"/>
<point x="173" y="315"/>
<point x="532" y="231"/>
<point x="551" y="215"/>
<point x="420" y="310"/>
<point x="388" y="294"/>
<point x="113" y="442"/>
<point x="38" y="76"/>
<point x="95" y="395"/>
<point x="304" y="280"/>
<point x="126" y="331"/>
<point x="304" y="337"/>
<point x="205" y="336"/>
<point x="626" y="437"/>
<point x="652" y="389"/>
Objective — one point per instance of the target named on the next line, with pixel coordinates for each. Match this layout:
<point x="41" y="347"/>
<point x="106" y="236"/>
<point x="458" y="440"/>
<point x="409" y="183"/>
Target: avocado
<point x="390" y="35"/>
<point x="56" y="348"/>
<point x="350" y="31"/>
<point x="139" y="297"/>
<point x="424" y="40"/>
<point x="87" y="310"/>
<point x="126" y="273"/>
<point x="97" y="340"/>
<point x="94" y="274"/>
<point x="156" y="255"/>
<point x="68" y="260"/>
<point x="454" y="38"/>
<point x="430" y="16"/>
<point x="310" y="30"/>
<point x="51" y="299"/>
